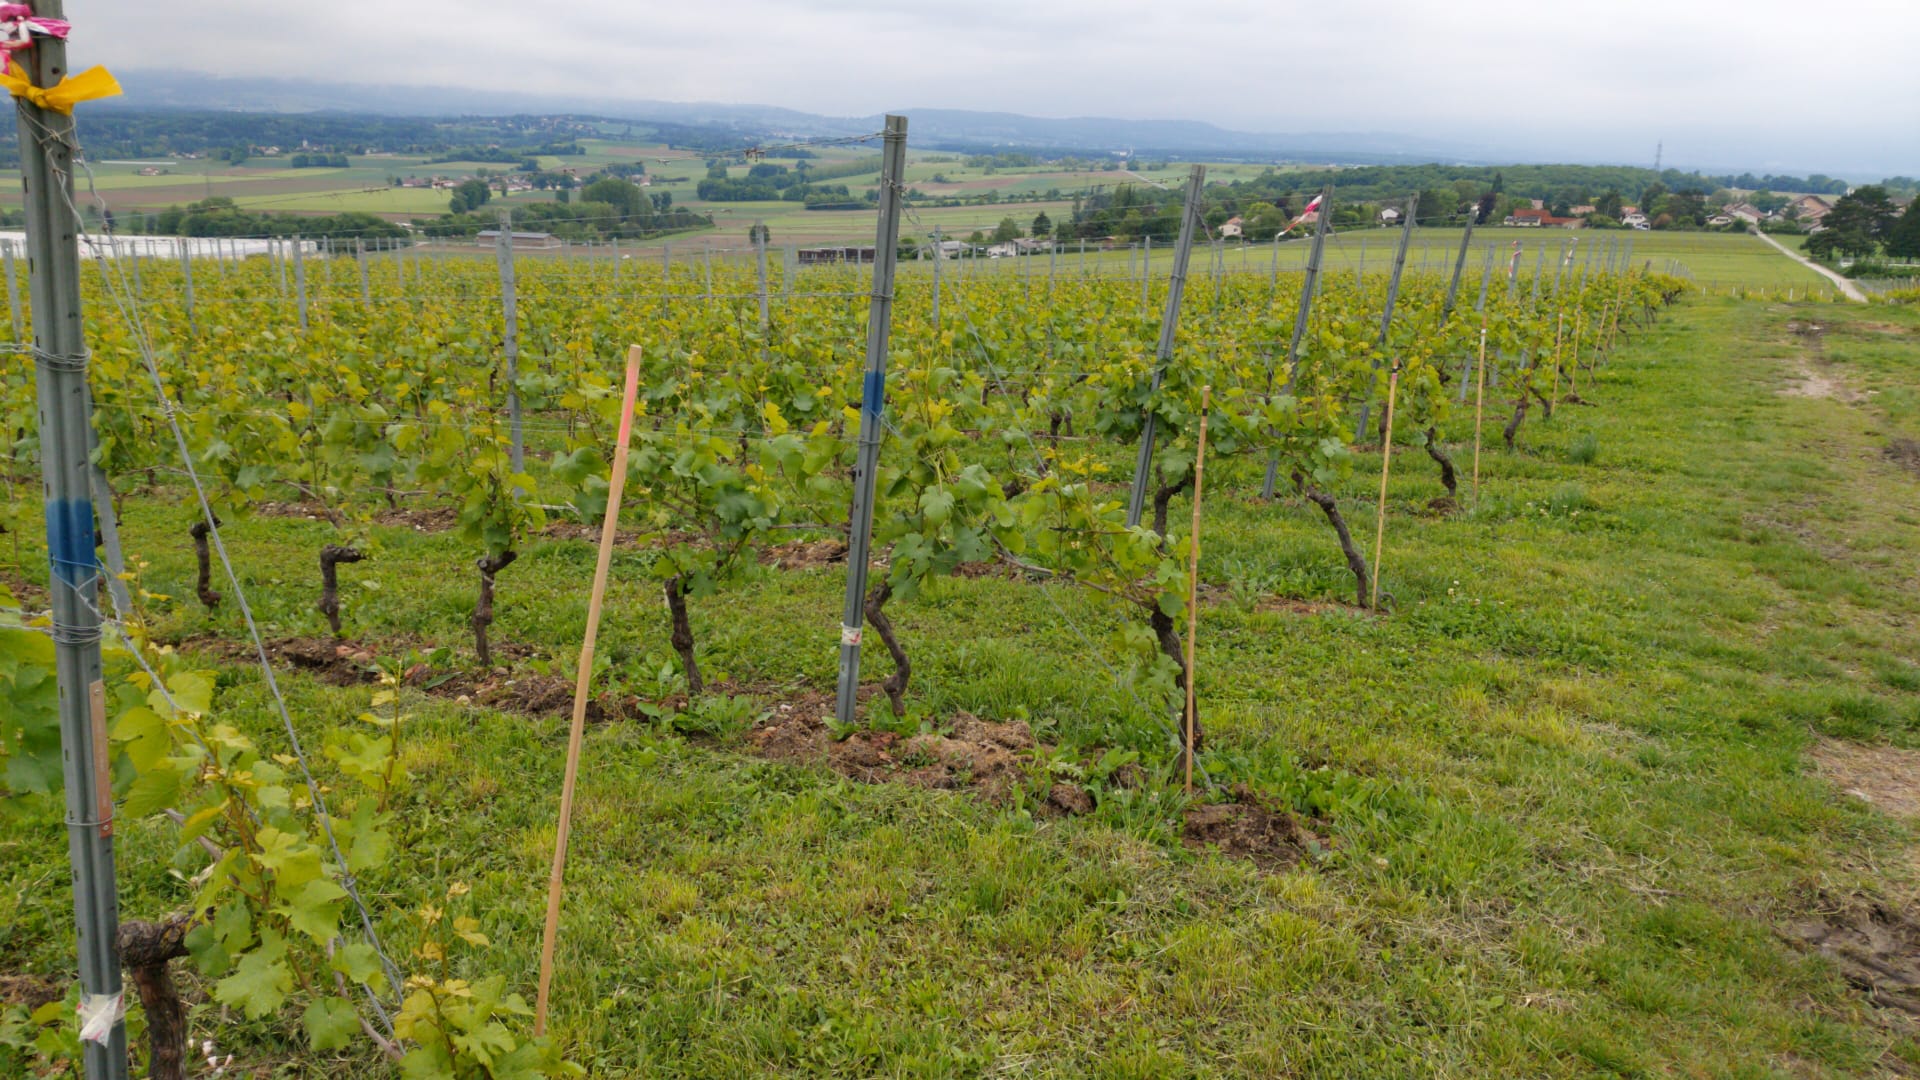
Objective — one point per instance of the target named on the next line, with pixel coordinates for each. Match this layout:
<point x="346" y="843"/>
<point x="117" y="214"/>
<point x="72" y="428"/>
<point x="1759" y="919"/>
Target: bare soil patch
<point x="426" y="519"/>
<point x="1252" y="828"/>
<point x="1876" y="948"/>
<point x="1885" y="776"/>
<point x="1293" y="606"/>
<point x="985" y="757"/>
<point x="337" y="663"/>
<point x="1905" y="453"/>
<point x="805" y="554"/>
<point x="31" y="991"/>
<point x="32" y="597"/>
<point x="586" y="531"/>
<point x="1808" y="381"/>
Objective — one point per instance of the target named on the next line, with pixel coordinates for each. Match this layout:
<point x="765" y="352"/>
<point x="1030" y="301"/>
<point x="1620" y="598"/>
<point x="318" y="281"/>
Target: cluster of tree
<point x="607" y="207"/>
<point x="767" y="182"/>
<point x="469" y="195"/>
<point x="522" y="156"/>
<point x="860" y="166"/>
<point x="219" y="216"/>
<point x="1001" y="161"/>
<point x="1557" y="185"/>
<point x="835" y="197"/>
<point x="1867" y="222"/>
<point x="1127" y="211"/>
<point x="114" y="131"/>
<point x="318" y="161"/>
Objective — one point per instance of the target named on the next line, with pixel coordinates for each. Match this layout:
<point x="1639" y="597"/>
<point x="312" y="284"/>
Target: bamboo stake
<point x="1559" y="325"/>
<point x="1386" y="462"/>
<point x="1193" y="573"/>
<point x="1573" y="371"/>
<point x="1479" y="400"/>
<point x="576" y="734"/>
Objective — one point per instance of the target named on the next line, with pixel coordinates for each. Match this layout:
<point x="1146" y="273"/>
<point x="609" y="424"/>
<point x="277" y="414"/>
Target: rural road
<point x="1848" y="288"/>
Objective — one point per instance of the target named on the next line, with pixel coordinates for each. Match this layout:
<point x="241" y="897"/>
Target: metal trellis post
<point x="873" y="403"/>
<point x="1393" y="296"/>
<point x="13" y="293"/>
<point x="1307" y="288"/>
<point x="1459" y="266"/>
<point x="46" y="146"/>
<point x="300" y="278"/>
<point x="1169" y="324"/>
<point x="510" y="340"/>
<point x="1479" y="308"/>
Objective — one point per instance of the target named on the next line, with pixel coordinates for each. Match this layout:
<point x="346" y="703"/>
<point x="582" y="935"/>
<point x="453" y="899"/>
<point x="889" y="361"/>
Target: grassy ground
<point x="1566" y="780"/>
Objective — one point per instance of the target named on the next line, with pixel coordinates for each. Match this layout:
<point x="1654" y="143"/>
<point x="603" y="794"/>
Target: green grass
<point x="1567" y="774"/>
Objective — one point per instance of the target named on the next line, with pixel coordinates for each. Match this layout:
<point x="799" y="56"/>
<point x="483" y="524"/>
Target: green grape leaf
<point x="331" y="1023"/>
<point x="314" y="909"/>
<point x="357" y="962"/>
<point x="261" y="981"/>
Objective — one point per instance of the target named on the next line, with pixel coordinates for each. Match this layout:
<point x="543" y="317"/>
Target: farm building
<point x="813" y="256"/>
<point x="1810" y="208"/>
<point x="1231" y="228"/>
<point x="533" y="240"/>
<point x="1533" y="219"/>
<point x="1389" y="216"/>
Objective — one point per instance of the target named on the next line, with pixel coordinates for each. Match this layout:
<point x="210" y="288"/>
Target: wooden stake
<point x="1193" y="573"/>
<point x="1386" y="462"/>
<point x="1560" y="323"/>
<point x="1479" y="400"/>
<point x="577" y="733"/>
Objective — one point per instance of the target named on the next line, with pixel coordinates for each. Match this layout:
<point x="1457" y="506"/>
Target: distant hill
<point x="954" y="129"/>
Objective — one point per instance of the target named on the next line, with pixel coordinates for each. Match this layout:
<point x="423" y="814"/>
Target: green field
<point x="1714" y="261"/>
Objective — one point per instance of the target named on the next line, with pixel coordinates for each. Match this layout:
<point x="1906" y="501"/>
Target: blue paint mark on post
<point x="70" y="540"/>
<point x="874" y="398"/>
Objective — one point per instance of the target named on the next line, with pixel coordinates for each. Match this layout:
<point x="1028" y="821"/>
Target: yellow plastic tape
<point x="95" y="82"/>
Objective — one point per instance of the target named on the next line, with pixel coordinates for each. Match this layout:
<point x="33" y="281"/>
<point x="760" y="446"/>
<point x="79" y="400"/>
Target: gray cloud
<point x="1752" y="84"/>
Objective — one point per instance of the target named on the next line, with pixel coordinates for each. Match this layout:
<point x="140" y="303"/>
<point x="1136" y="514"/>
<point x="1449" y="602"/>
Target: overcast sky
<point x="1757" y="84"/>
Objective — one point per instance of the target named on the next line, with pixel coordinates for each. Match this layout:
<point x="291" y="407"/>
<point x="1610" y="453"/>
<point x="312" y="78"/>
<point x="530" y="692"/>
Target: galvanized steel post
<point x="873" y="403"/>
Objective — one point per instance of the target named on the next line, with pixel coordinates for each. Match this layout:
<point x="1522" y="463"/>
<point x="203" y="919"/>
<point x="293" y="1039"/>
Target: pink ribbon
<point x="19" y="25"/>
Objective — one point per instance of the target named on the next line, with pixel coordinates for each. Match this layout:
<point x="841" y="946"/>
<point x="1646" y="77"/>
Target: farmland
<point x="1550" y="808"/>
<point x="1716" y="261"/>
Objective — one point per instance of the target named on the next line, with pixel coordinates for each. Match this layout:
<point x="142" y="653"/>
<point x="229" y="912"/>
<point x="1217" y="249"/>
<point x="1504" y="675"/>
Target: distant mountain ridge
<point x="956" y="129"/>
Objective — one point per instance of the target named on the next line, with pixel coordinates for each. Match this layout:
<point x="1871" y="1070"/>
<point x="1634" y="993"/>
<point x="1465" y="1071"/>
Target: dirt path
<point x="1847" y="288"/>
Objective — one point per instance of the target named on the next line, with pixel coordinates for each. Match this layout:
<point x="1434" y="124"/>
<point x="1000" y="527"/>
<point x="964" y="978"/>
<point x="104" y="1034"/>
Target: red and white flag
<point x="1312" y="205"/>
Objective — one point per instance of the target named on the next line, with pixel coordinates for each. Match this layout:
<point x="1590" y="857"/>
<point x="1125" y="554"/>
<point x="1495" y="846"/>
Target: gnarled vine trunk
<point x="1162" y="498"/>
<point x="1513" y="425"/>
<point x="1439" y="454"/>
<point x="1545" y="403"/>
<point x="1356" y="562"/>
<point x="489" y="565"/>
<point x="203" y="586"/>
<point x="677" y="588"/>
<point x="876" y="612"/>
<point x="1167" y="633"/>
<point x="331" y="556"/>
<point x="146" y="948"/>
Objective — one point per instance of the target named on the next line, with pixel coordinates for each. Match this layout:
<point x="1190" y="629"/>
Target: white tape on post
<point x="98" y="1014"/>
